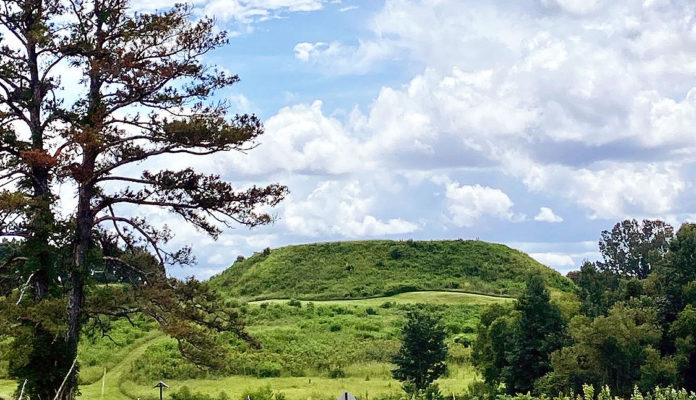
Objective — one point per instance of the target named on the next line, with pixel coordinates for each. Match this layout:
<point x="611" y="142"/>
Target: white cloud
<point x="547" y="215"/>
<point x="299" y="139"/>
<point x="339" y="208"/>
<point x="578" y="7"/>
<point x="247" y="11"/>
<point x="610" y="190"/>
<point x="555" y="260"/>
<point x="337" y="58"/>
<point x="468" y="203"/>
<point x="305" y="50"/>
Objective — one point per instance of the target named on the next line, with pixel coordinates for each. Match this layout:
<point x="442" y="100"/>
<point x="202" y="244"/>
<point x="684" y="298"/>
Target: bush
<point x="268" y="369"/>
<point x="396" y="253"/>
<point x="264" y="393"/>
<point x="336" y="373"/>
<point x="185" y="394"/>
<point x="335" y="327"/>
<point x="295" y="303"/>
<point x="370" y="311"/>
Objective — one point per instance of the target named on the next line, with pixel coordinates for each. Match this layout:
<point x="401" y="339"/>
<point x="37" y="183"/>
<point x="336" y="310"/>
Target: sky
<point x="534" y="123"/>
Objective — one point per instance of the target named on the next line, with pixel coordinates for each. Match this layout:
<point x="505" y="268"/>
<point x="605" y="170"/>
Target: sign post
<point x="161" y="385"/>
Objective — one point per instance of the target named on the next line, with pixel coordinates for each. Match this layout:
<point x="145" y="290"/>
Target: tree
<point x="684" y="332"/>
<point x="597" y="289"/>
<point x="539" y="331"/>
<point x="611" y="350"/>
<point x="144" y="94"/>
<point x="421" y="358"/>
<point x="492" y="343"/>
<point x="633" y="249"/>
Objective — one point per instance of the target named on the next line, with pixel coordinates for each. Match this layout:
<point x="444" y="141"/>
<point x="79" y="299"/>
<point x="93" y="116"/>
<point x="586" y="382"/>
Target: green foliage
<point x="633" y="249"/>
<point x="612" y="350"/>
<point x="264" y="393"/>
<point x="421" y="358"/>
<point x="680" y="268"/>
<point x="186" y="394"/>
<point x="162" y="362"/>
<point x="379" y="268"/>
<point x="492" y="341"/>
<point x="596" y="289"/>
<point x="538" y="331"/>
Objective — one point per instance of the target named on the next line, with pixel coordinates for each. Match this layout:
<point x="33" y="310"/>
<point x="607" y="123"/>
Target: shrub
<point x="335" y="327"/>
<point x="266" y="251"/>
<point x="268" y="369"/>
<point x="264" y="393"/>
<point x="370" y="311"/>
<point x="186" y="394"/>
<point x="396" y="253"/>
<point x="336" y="373"/>
<point x="240" y="258"/>
<point x="295" y="303"/>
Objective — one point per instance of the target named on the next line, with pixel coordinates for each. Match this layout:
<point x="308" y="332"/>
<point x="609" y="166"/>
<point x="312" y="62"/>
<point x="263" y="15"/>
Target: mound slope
<point x="345" y="270"/>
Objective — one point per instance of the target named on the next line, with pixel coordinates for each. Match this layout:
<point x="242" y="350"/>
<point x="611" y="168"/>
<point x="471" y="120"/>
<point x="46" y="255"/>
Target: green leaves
<point x="421" y="358"/>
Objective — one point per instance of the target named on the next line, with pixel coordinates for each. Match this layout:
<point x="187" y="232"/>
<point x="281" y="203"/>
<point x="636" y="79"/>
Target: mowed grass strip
<point x="372" y="380"/>
<point x="418" y="297"/>
<point x="7" y="388"/>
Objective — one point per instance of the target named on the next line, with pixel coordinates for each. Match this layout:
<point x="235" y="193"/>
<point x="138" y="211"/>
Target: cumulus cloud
<point x="252" y="10"/>
<point x="339" y="208"/>
<point x="338" y="58"/>
<point x="555" y="260"/>
<point x="587" y="102"/>
<point x="468" y="203"/>
<point x="243" y="11"/>
<point x="547" y="215"/>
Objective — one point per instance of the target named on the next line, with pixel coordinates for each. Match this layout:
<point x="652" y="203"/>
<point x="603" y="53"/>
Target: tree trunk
<point x="76" y="295"/>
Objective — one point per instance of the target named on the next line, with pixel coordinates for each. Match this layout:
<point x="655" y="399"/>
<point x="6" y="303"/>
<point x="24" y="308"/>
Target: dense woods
<point x="635" y="325"/>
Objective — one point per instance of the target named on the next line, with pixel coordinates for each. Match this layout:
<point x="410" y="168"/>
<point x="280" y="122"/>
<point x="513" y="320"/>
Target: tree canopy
<point x="144" y="92"/>
<point x="421" y="358"/>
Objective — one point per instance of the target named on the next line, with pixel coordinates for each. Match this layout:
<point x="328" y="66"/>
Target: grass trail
<point x="421" y="297"/>
<point x="7" y="388"/>
<point x="112" y="385"/>
<point x="311" y="387"/>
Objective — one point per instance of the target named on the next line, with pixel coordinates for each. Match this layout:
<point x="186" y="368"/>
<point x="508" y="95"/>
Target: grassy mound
<point x="345" y="270"/>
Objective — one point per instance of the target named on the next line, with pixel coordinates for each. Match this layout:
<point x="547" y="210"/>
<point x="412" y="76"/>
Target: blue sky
<point x="535" y="123"/>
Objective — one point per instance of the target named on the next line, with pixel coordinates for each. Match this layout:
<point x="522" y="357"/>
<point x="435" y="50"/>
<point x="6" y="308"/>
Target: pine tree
<point x="539" y="330"/>
<point x="145" y="93"/>
<point x="421" y="358"/>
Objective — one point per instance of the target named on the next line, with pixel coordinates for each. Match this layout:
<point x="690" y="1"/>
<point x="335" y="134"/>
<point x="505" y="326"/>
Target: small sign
<point x="346" y="396"/>
<point x="161" y="385"/>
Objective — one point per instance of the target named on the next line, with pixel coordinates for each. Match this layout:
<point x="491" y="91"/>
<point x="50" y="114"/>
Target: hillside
<point x="344" y="270"/>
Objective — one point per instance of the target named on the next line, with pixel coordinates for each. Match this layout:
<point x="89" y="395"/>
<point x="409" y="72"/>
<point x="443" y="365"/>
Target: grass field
<point x="328" y="318"/>
<point x="365" y="332"/>
<point x="310" y="387"/>
<point x="420" y="297"/>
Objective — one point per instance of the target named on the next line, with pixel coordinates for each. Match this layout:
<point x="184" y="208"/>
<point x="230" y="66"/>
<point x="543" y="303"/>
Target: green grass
<point x="7" y="388"/>
<point x="345" y="270"/>
<point x="340" y="334"/>
<point x="302" y="345"/>
<point x="422" y="297"/>
<point x="309" y="387"/>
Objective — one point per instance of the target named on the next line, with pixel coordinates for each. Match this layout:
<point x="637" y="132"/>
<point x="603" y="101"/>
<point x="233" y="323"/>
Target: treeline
<point x="634" y="328"/>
